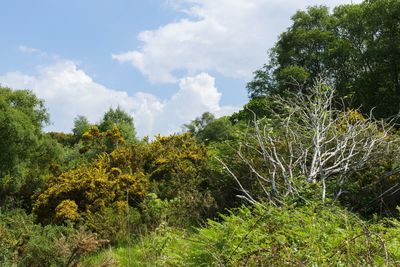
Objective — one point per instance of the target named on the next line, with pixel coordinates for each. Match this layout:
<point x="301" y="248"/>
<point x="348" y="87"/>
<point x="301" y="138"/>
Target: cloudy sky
<point x="163" y="61"/>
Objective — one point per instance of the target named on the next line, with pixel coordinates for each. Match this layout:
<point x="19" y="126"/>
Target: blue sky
<point x="164" y="62"/>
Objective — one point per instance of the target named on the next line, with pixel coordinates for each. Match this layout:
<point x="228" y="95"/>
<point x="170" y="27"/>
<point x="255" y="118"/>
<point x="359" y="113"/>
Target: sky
<point x="165" y="62"/>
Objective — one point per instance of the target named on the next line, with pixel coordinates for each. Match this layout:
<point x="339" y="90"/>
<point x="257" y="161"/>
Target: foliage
<point x="356" y="48"/>
<point x="67" y="210"/>
<point x="119" y="119"/>
<point x="88" y="140"/>
<point x="309" y="235"/>
<point x="87" y="190"/>
<point x="173" y="158"/>
<point x="175" y="165"/>
<point x="24" y="243"/>
<point x="295" y="236"/>
<point x="81" y="125"/>
<point x="374" y="190"/>
<point x="198" y="124"/>
<point x="96" y="142"/>
<point x="64" y="139"/>
<point x="312" y="142"/>
<point x="224" y="188"/>
<point x="26" y="154"/>
<point x="118" y="223"/>
<point x="258" y="107"/>
<point x="207" y="128"/>
<point x="83" y="150"/>
<point x="21" y="119"/>
<point x="155" y="211"/>
<point x="299" y="152"/>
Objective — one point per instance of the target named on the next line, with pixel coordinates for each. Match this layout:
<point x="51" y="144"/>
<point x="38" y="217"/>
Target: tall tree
<point x="356" y="48"/>
<point x="25" y="153"/>
<point x="22" y="116"/>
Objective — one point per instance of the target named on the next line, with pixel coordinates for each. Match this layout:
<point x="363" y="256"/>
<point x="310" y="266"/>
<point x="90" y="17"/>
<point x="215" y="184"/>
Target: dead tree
<point x="308" y="141"/>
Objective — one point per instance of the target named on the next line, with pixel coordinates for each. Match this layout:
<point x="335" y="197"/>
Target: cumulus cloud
<point x="229" y="37"/>
<point x="68" y="91"/>
<point x="196" y="95"/>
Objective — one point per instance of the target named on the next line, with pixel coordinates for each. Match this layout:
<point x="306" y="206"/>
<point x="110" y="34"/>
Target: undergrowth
<point x="310" y="235"/>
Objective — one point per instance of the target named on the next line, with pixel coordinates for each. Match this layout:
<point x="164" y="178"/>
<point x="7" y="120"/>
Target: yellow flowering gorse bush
<point x="88" y="189"/>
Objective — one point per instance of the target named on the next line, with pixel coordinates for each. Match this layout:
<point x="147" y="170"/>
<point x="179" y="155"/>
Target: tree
<point x="121" y="120"/>
<point x="26" y="154"/>
<point x="209" y="129"/>
<point x="257" y="107"/>
<point x="311" y="142"/>
<point x="356" y="49"/>
<point x="81" y="125"/>
<point x="21" y="119"/>
<point x="216" y="131"/>
<point x="198" y="124"/>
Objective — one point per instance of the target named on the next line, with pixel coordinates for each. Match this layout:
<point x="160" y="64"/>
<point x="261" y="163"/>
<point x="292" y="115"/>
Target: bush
<point x="119" y="223"/>
<point x="88" y="189"/>
<point x="24" y="243"/>
<point x="177" y="170"/>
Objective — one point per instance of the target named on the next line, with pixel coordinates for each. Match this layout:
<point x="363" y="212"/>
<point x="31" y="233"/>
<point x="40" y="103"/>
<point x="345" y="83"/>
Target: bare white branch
<point x="314" y="142"/>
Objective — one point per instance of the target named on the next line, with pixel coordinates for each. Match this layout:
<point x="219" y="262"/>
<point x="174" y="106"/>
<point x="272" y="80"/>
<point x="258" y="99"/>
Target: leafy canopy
<point x="356" y="48"/>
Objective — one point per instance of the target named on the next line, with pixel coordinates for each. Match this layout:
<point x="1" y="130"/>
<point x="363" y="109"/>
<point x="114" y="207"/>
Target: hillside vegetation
<point x="307" y="173"/>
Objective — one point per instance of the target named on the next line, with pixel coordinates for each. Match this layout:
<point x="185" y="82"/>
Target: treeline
<point x="307" y="173"/>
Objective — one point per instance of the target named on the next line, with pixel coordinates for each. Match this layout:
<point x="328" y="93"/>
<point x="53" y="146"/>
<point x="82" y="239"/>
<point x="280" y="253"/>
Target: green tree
<point x="199" y="123"/>
<point x="121" y="120"/>
<point x="26" y="154"/>
<point x="207" y="128"/>
<point x="216" y="131"/>
<point x="21" y="119"/>
<point x="356" y="48"/>
<point x="81" y="125"/>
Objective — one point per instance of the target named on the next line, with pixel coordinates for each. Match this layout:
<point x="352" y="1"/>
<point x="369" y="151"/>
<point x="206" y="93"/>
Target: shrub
<point x="118" y="223"/>
<point x="24" y="243"/>
<point x="67" y="210"/>
<point x="87" y="190"/>
<point x="177" y="170"/>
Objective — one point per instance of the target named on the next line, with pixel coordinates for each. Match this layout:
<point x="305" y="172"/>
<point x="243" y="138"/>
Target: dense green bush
<point x="374" y="190"/>
<point x="24" y="243"/>
<point x="118" y="223"/>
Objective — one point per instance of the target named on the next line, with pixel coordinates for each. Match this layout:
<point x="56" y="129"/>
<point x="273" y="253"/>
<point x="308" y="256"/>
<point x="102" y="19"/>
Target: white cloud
<point x="68" y="91"/>
<point x="196" y="95"/>
<point x="27" y="49"/>
<point x="230" y="37"/>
